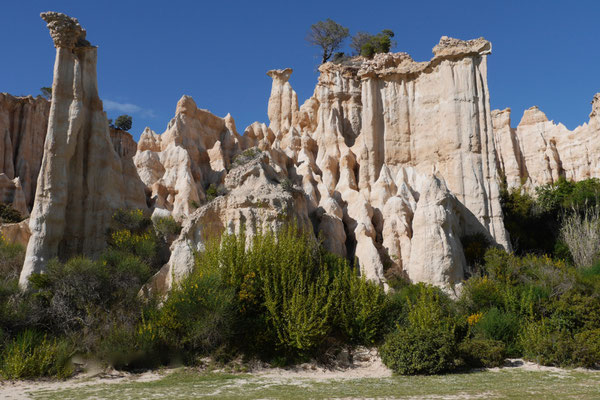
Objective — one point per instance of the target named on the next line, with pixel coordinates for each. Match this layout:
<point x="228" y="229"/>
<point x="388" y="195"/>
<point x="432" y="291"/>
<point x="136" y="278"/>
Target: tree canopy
<point x="123" y="122"/>
<point x="329" y="35"/>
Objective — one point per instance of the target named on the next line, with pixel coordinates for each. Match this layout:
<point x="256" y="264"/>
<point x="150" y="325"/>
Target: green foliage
<point x="373" y="44"/>
<point x="123" y="122"/>
<point x="167" y="228"/>
<point x="534" y="222"/>
<point x="9" y="214"/>
<point x="499" y="326"/>
<point x="46" y="92"/>
<point x="360" y="307"/>
<point x="198" y="316"/>
<point x="245" y="157"/>
<point x="427" y="343"/>
<point x="328" y="35"/>
<point x="33" y="355"/>
<point x="213" y="191"/>
<point x="479" y="352"/>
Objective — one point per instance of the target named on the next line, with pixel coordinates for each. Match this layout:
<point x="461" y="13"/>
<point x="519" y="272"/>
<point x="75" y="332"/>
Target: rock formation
<point x="539" y="151"/>
<point x="396" y="159"/>
<point x="81" y="179"/>
<point x="390" y="161"/>
<point x="23" y="125"/>
<point x="253" y="199"/>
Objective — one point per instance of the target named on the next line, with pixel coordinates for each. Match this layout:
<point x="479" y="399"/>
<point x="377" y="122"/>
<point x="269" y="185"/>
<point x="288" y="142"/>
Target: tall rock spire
<point x="81" y="178"/>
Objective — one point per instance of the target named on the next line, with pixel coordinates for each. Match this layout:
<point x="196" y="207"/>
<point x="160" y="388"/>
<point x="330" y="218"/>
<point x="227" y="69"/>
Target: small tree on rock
<point x="368" y="45"/>
<point x="123" y="122"/>
<point x="46" y="92"/>
<point x="329" y="35"/>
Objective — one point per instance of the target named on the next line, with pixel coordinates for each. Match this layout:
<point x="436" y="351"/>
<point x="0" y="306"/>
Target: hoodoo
<point x="81" y="180"/>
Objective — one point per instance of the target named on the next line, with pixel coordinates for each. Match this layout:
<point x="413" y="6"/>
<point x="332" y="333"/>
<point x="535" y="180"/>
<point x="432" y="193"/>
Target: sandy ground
<point x="365" y="364"/>
<point x="20" y="389"/>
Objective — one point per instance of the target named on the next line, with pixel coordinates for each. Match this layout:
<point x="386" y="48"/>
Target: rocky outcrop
<point x="396" y="160"/>
<point x="540" y="151"/>
<point x="81" y="179"/>
<point x="194" y="152"/>
<point x="23" y="125"/>
<point x="254" y="199"/>
<point x="15" y="233"/>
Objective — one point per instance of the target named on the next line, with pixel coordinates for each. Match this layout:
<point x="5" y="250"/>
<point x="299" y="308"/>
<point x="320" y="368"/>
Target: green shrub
<point x="546" y="345"/>
<point x="587" y="349"/>
<point x="245" y="156"/>
<point x="197" y="317"/>
<point x="33" y="355"/>
<point x="359" y="307"/>
<point x="132" y="220"/>
<point x="478" y="352"/>
<point x="167" y="227"/>
<point x="499" y="326"/>
<point x="9" y="214"/>
<point x="481" y="293"/>
<point x="427" y="344"/>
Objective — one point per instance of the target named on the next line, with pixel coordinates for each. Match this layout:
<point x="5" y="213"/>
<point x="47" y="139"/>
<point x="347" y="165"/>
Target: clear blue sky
<point x="150" y="53"/>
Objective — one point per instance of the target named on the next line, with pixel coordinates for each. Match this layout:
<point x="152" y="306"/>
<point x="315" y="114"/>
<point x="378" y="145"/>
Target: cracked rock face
<point x="539" y="151"/>
<point x="81" y="180"/>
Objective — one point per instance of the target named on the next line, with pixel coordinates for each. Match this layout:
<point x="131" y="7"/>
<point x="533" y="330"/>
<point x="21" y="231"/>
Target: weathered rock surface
<point x="540" y="151"/>
<point x="81" y="179"/>
<point x="254" y="200"/>
<point x="23" y="126"/>
<point x="193" y="153"/>
<point x="17" y="232"/>
<point x="396" y="159"/>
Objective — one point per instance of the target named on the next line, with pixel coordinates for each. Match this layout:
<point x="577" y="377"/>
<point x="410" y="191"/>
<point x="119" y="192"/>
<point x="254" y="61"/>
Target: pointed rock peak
<point x="501" y="118"/>
<point x="451" y="47"/>
<point x="533" y="116"/>
<point x="280" y="74"/>
<point x="65" y="31"/>
<point x="186" y="105"/>
<point x="230" y="123"/>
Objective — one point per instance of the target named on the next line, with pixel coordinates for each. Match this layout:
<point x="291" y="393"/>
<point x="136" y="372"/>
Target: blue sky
<point x="150" y="53"/>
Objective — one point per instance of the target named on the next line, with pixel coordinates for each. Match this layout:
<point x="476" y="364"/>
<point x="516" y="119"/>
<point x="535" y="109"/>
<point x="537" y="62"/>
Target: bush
<point x="33" y="355"/>
<point x="478" y="352"/>
<point x="587" y="349"/>
<point x="360" y="307"/>
<point x="198" y="316"/>
<point x="581" y="234"/>
<point x="427" y="344"/>
<point x="546" y="345"/>
<point x="499" y="326"/>
<point x="245" y="157"/>
<point x="474" y="247"/>
<point x="167" y="228"/>
<point x="9" y="214"/>
<point x="481" y="293"/>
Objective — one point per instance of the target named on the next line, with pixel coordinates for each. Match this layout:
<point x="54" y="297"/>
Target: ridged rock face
<point x="539" y="151"/>
<point x="396" y="159"/>
<point x="81" y="179"/>
<point x="193" y="153"/>
<point x="23" y="125"/>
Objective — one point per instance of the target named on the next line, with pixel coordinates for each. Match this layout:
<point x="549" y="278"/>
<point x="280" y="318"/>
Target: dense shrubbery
<point x="281" y="297"/>
<point x="533" y="222"/>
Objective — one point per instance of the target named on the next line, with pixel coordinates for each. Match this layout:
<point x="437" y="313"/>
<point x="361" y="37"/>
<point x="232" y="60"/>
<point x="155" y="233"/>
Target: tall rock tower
<point x="81" y="178"/>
